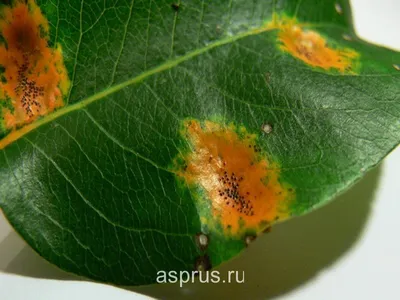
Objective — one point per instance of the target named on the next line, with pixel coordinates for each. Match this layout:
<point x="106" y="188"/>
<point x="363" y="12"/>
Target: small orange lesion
<point x="35" y="76"/>
<point x="310" y="47"/>
<point x="237" y="181"/>
<point x="9" y="118"/>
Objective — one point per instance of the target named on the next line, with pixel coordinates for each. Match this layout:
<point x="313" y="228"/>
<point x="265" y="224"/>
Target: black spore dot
<point x="267" y="230"/>
<point x="249" y="239"/>
<point x="203" y="263"/>
<point x="175" y="7"/>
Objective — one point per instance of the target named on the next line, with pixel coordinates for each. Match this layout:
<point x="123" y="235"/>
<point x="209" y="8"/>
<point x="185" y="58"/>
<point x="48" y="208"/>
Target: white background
<point x="349" y="249"/>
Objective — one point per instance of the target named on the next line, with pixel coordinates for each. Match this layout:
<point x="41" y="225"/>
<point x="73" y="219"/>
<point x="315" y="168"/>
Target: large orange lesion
<point x="242" y="186"/>
<point x="35" y="76"/>
<point x="310" y="47"/>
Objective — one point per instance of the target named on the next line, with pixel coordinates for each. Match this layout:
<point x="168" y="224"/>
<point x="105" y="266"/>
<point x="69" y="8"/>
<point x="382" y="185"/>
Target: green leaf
<point x="140" y="136"/>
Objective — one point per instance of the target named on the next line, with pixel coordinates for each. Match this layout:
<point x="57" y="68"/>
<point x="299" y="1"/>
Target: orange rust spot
<point x="242" y="185"/>
<point x="9" y="118"/>
<point x="36" y="78"/>
<point x="310" y="47"/>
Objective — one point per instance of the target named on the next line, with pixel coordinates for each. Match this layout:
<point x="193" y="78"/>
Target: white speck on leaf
<point x="347" y="37"/>
<point x="266" y="128"/>
<point x="203" y="240"/>
<point x="338" y="8"/>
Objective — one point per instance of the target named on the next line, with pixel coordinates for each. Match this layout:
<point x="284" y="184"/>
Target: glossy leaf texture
<point x="140" y="136"/>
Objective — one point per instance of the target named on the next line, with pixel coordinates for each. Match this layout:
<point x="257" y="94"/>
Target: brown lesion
<point x="35" y="76"/>
<point x="310" y="47"/>
<point x="241" y="184"/>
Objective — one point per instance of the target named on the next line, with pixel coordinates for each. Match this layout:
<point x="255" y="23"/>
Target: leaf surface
<point x="145" y="136"/>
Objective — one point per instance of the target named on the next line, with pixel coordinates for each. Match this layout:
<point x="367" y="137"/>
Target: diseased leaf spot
<point x="241" y="188"/>
<point x="310" y="47"/>
<point x="267" y="230"/>
<point x="267" y="77"/>
<point x="338" y="8"/>
<point x="396" y="66"/>
<point x="266" y="128"/>
<point x="203" y="263"/>
<point x="175" y="7"/>
<point x="347" y="37"/>
<point x="202" y="241"/>
<point x="35" y="76"/>
<point x="249" y="239"/>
